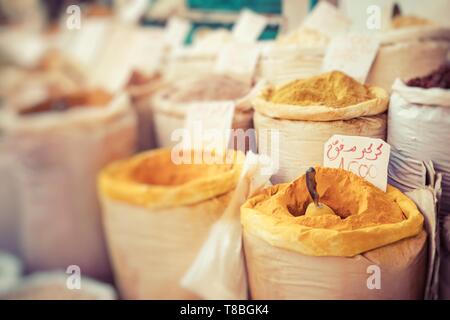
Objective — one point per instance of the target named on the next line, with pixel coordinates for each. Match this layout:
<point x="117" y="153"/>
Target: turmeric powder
<point x="334" y="89"/>
<point x="409" y="21"/>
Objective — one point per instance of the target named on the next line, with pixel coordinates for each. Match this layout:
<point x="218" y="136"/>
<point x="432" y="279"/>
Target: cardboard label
<point x="366" y="157"/>
<point x="208" y="125"/>
<point x="352" y="54"/>
<point x="327" y="19"/>
<point x="238" y="58"/>
<point x="249" y="26"/>
<point x="176" y="31"/>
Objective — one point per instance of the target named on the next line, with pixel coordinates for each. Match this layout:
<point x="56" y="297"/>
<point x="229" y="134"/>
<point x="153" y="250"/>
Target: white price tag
<point x="238" y="58"/>
<point x="131" y="11"/>
<point x="366" y="157"/>
<point x="89" y="40"/>
<point x="176" y="31"/>
<point x="327" y="19"/>
<point x="352" y="54"/>
<point x="249" y="26"/>
<point x="115" y="64"/>
<point x="148" y="49"/>
<point x="208" y="125"/>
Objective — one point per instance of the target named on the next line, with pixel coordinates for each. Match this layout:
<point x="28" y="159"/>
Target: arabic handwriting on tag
<point x="363" y="156"/>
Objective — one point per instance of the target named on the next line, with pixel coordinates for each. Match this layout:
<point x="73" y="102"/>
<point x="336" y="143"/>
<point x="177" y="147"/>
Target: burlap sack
<point x="287" y="259"/>
<point x="57" y="157"/>
<point x="156" y="228"/>
<point x="408" y="53"/>
<point x="304" y="130"/>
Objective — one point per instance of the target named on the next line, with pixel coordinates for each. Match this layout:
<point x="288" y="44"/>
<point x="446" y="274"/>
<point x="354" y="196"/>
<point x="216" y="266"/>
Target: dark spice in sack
<point x="439" y="78"/>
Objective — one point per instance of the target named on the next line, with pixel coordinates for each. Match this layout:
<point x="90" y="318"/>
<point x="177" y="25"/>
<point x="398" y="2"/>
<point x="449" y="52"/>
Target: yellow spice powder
<point x="334" y="89"/>
<point x="409" y="21"/>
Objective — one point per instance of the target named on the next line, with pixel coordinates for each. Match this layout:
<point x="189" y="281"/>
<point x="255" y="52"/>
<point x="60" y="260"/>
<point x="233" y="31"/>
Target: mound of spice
<point x="80" y="99"/>
<point x="211" y="87"/>
<point x="409" y="21"/>
<point x="439" y="78"/>
<point x="334" y="89"/>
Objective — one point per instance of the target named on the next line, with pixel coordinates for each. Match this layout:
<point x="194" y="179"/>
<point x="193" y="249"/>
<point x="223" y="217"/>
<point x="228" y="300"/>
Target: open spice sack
<point x="297" y="55"/>
<point x="418" y="131"/>
<point x="412" y="47"/>
<point x="171" y="104"/>
<point x="370" y="244"/>
<point x="157" y="213"/>
<point x="306" y="113"/>
<point x="59" y="145"/>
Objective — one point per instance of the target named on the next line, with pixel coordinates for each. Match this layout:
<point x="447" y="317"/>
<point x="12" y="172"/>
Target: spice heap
<point x="211" y="88"/>
<point x="80" y="99"/>
<point x="162" y="171"/>
<point x="334" y="89"/>
<point x="409" y="21"/>
<point x="439" y="78"/>
<point x="361" y="205"/>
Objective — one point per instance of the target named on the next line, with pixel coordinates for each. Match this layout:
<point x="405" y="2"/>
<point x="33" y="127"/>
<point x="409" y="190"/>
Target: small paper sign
<point x="88" y="41"/>
<point x="249" y="26"/>
<point x="238" y="58"/>
<point x="352" y="54"/>
<point x="208" y="125"/>
<point x="131" y="11"/>
<point x="176" y="31"/>
<point x="327" y="19"/>
<point x="366" y="157"/>
<point x="147" y="55"/>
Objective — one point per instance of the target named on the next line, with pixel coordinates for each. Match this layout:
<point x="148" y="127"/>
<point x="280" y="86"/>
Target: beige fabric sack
<point x="409" y="53"/>
<point x="372" y="247"/>
<point x="157" y="215"/>
<point x="303" y="130"/>
<point x="170" y="116"/>
<point x="218" y="271"/>
<point x="275" y="273"/>
<point x="57" y="157"/>
<point x="8" y="200"/>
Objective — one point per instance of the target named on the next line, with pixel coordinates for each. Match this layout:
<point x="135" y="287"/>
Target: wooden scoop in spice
<point x="315" y="208"/>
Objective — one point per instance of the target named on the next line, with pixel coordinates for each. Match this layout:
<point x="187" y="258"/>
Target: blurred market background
<point x="55" y="55"/>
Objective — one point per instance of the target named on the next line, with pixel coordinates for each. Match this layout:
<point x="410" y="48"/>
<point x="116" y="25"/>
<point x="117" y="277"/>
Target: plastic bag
<point x="218" y="272"/>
